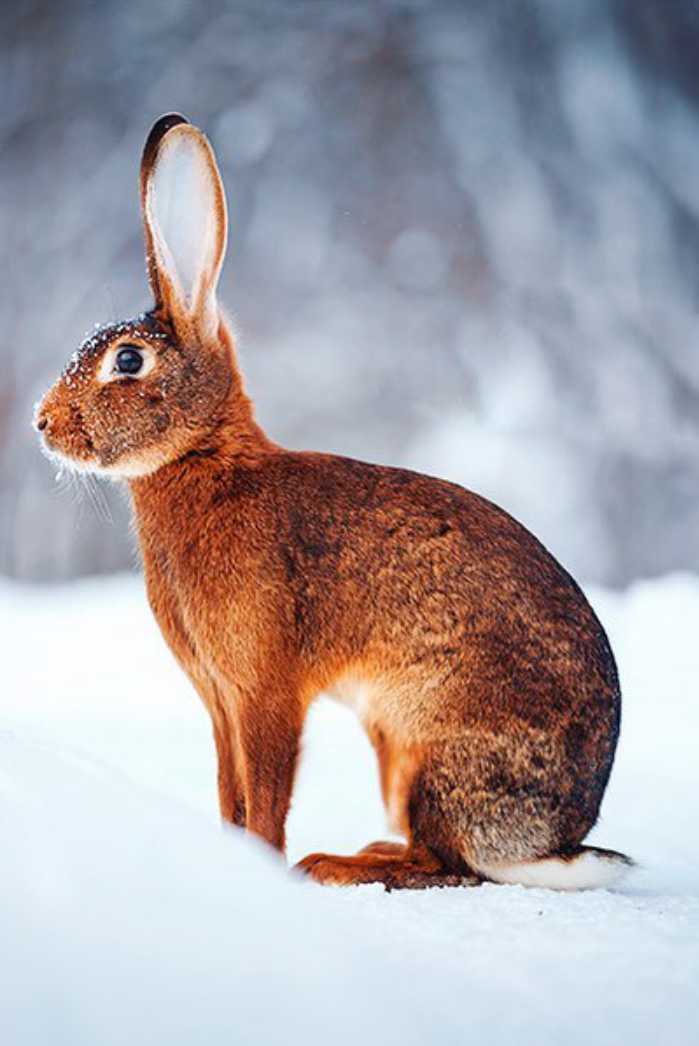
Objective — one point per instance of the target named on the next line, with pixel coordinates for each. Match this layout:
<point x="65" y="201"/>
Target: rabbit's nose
<point x="45" y="424"/>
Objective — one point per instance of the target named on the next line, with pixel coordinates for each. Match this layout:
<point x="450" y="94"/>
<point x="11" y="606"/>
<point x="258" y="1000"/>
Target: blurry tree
<point x="464" y="237"/>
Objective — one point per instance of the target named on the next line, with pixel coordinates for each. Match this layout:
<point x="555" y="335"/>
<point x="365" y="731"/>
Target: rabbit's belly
<point x="407" y="714"/>
<point x="374" y="702"/>
<point x="354" y="692"/>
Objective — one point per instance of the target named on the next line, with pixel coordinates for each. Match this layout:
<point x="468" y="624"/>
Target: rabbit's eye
<point x="129" y="360"/>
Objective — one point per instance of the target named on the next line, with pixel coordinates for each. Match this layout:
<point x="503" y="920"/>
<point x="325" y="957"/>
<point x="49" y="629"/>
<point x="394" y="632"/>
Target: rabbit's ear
<point x="184" y="215"/>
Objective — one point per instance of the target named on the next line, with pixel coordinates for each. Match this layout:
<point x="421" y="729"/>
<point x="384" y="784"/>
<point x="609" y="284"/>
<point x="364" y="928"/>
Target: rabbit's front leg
<point x="231" y="792"/>
<point x="269" y="734"/>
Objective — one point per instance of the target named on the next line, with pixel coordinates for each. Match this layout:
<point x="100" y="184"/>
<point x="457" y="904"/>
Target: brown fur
<point x="482" y="676"/>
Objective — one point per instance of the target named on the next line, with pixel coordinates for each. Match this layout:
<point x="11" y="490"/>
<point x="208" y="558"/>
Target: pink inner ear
<point x="182" y="201"/>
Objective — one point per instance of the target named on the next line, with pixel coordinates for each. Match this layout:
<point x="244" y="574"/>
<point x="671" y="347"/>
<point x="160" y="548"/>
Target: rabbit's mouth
<point x="71" y="443"/>
<point x="66" y="459"/>
<point x="80" y="459"/>
<point x="69" y="462"/>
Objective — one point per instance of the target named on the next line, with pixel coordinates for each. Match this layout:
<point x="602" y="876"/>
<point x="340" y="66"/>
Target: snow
<point x="128" y="915"/>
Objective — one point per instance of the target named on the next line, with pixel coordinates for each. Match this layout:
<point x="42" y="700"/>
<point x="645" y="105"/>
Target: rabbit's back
<point x="379" y="554"/>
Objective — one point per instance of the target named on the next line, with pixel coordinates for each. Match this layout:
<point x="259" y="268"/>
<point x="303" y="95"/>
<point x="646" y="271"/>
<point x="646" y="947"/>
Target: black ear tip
<point x="158" y="131"/>
<point x="165" y="123"/>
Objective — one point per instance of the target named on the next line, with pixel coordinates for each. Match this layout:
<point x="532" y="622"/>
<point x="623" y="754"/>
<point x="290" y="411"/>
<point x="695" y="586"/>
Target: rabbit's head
<point x="140" y="394"/>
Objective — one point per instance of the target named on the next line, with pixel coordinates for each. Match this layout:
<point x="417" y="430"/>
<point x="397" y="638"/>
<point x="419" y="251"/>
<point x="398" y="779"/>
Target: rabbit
<point x="479" y="671"/>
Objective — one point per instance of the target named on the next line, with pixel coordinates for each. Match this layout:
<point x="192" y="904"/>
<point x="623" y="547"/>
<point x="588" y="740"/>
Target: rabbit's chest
<point x="171" y="615"/>
<point x="202" y="611"/>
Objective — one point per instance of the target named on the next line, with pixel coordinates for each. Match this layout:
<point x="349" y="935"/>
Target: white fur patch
<point x="126" y="468"/>
<point x="182" y="205"/>
<point x="588" y="871"/>
<point x="354" y="692"/>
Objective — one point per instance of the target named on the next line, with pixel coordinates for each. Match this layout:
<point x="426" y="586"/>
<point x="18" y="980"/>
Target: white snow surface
<point x="128" y="915"/>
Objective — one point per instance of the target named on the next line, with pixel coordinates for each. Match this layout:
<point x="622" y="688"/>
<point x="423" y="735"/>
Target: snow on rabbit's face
<point x="131" y="399"/>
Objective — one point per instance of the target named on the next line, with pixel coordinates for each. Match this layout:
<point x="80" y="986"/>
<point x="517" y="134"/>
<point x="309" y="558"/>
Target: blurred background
<point x="464" y="239"/>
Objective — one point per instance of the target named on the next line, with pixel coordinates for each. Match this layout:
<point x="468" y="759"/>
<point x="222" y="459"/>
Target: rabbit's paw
<point x="390" y="868"/>
<point x="329" y="870"/>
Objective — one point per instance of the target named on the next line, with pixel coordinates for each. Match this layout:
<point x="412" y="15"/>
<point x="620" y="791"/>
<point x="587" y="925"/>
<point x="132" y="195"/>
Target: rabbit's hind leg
<point x="499" y="800"/>
<point x="399" y="866"/>
<point x="405" y="868"/>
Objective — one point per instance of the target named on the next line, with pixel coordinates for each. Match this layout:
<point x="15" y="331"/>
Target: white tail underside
<point x="591" y="869"/>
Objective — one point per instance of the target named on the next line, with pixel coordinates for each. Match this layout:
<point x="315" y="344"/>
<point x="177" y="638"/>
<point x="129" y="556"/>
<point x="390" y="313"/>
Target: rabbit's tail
<point x="587" y="868"/>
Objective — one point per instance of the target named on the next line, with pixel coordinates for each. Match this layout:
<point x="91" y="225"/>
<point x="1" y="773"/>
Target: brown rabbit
<point x="482" y="676"/>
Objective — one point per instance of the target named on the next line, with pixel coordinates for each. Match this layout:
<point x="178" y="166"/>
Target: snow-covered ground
<point x="129" y="916"/>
